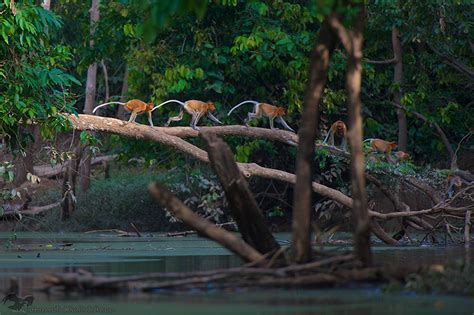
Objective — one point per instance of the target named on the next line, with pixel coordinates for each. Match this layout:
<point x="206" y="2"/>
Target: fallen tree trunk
<point x="50" y="171"/>
<point x="244" y="208"/>
<point x="183" y="213"/>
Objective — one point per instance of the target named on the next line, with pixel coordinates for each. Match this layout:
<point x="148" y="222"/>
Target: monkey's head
<point x="340" y="125"/>
<point x="402" y="155"/>
<point x="392" y="144"/>
<point x="211" y="105"/>
<point x="280" y="111"/>
<point x="454" y="180"/>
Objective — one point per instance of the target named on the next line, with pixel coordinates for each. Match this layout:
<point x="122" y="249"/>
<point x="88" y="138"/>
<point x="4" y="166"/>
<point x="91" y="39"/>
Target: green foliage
<point x="34" y="83"/>
<point x="429" y="30"/>
<point x="124" y="198"/>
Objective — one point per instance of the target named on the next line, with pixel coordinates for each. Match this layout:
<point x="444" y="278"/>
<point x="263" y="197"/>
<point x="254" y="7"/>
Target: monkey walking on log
<point x="383" y="146"/>
<point x="195" y="108"/>
<point x="266" y="110"/>
<point x="135" y="106"/>
<point x="338" y="130"/>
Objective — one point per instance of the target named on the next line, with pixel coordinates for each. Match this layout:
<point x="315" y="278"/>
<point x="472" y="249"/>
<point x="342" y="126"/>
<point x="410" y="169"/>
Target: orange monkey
<point x="338" y="130"/>
<point x="401" y="156"/>
<point x="195" y="108"/>
<point x="135" y="106"/>
<point x="383" y="146"/>
<point x="266" y="110"/>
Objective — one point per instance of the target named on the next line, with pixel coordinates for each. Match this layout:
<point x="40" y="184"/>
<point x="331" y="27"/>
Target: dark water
<point x="109" y="255"/>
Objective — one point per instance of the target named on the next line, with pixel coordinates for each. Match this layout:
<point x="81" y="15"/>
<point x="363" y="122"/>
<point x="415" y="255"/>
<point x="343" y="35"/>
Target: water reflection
<point x="121" y="256"/>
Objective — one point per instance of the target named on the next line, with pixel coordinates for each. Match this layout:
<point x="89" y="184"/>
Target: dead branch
<point x="50" y="171"/>
<point x="330" y="271"/>
<point x="31" y="211"/>
<point x="182" y="212"/>
<point x="245" y="211"/>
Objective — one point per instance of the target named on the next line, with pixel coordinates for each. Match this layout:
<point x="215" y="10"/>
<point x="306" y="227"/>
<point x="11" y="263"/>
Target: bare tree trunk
<point x="69" y="183"/>
<point x="245" y="211"/>
<point x="355" y="134"/>
<point x="90" y="93"/>
<point x="397" y="94"/>
<point x="123" y="95"/>
<point x="320" y="58"/>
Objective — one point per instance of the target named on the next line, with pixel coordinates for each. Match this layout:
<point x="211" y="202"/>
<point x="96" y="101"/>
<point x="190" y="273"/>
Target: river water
<point x="27" y="257"/>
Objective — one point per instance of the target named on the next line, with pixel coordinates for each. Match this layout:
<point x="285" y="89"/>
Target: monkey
<point x="338" y="129"/>
<point x="453" y="181"/>
<point x="195" y="108"/>
<point x="383" y="146"/>
<point x="135" y="106"/>
<point x="456" y="179"/>
<point x="267" y="110"/>
<point x="402" y="156"/>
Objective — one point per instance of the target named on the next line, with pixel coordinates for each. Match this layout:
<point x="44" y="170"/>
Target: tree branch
<point x="162" y="135"/>
<point x="440" y="131"/>
<point x="182" y="212"/>
<point x="455" y="64"/>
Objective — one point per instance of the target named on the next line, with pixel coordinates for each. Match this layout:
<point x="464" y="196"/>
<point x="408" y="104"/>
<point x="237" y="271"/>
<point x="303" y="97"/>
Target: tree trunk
<point x="203" y="226"/>
<point x="123" y="95"/>
<point x="320" y="57"/>
<point x="245" y="211"/>
<point x="90" y="93"/>
<point x="69" y="183"/>
<point x="397" y="94"/>
<point x="355" y="134"/>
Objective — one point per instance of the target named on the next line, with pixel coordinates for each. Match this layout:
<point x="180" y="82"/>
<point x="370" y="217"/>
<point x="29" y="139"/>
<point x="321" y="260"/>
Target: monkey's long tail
<point x="369" y="139"/>
<point x="240" y="104"/>
<point x="170" y="101"/>
<point x="102" y="105"/>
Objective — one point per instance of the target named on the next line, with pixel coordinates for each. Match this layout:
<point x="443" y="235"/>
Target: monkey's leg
<point x="195" y="120"/>
<point x="283" y="122"/>
<point x="175" y="118"/>
<point x="149" y="119"/>
<point x="344" y="145"/>
<point x="249" y="117"/>
<point x="327" y="136"/>
<point x="133" y="116"/>
<point x="213" y="118"/>
<point x="272" y="127"/>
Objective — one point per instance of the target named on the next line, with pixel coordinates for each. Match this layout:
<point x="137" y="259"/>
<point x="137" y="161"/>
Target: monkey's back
<point x="137" y="106"/>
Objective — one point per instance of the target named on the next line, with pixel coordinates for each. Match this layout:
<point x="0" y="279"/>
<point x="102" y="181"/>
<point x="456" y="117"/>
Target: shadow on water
<point x="32" y="255"/>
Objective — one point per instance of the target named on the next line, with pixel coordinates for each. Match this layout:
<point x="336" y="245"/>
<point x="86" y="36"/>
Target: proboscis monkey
<point x="456" y="179"/>
<point x="195" y="108"/>
<point x="338" y="130"/>
<point x="383" y="146"/>
<point x="135" y="106"/>
<point x="266" y="110"/>
<point x="402" y="156"/>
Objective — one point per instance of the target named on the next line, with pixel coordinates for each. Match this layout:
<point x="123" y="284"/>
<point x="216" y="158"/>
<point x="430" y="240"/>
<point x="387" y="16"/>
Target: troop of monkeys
<point x="338" y="131"/>
<point x="197" y="109"/>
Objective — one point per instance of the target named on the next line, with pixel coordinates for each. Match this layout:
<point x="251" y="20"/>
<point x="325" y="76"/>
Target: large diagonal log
<point x="223" y="237"/>
<point x="244" y="208"/>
